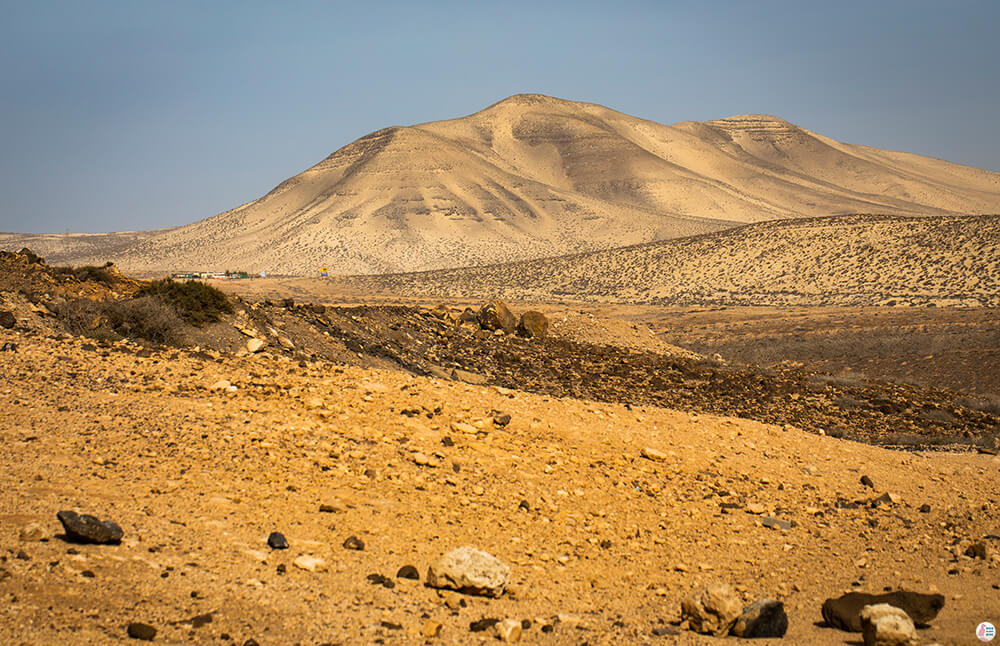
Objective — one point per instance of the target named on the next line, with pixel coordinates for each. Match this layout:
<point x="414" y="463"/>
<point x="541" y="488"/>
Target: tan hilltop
<point x="535" y="176"/>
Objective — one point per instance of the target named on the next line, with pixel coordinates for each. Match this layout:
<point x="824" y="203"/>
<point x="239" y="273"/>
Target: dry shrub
<point x="141" y="318"/>
<point x="195" y="302"/>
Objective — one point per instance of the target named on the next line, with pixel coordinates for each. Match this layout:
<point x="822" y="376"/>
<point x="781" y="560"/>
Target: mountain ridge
<point x="533" y="176"/>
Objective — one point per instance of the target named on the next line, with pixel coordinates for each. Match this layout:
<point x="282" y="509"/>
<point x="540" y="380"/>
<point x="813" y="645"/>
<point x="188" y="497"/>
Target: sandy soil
<point x="611" y="541"/>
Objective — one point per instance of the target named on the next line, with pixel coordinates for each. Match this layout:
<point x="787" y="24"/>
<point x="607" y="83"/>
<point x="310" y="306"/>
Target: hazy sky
<point x="139" y="114"/>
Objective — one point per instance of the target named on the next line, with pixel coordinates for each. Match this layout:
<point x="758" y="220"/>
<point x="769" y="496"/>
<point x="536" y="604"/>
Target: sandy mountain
<point x="534" y="176"/>
<point x="846" y="260"/>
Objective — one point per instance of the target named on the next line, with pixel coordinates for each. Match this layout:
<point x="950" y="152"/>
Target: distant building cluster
<point x="218" y="275"/>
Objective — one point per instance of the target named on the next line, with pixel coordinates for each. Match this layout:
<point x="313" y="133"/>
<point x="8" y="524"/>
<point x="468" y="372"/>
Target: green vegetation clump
<point x="195" y="302"/>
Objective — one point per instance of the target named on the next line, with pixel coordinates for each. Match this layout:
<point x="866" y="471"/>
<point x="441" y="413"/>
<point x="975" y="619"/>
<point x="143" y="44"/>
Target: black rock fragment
<point x="84" y="528"/>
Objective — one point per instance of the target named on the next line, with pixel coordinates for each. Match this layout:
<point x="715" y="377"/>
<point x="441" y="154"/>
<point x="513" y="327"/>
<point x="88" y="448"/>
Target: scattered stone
<point x="33" y="532"/>
<point x="665" y="631"/>
<point x="470" y="571"/>
<point x="7" y="320"/>
<point x="495" y="316"/>
<point x="763" y="618"/>
<point x="83" y="528"/>
<point x="222" y="384"/>
<point x="354" y="543"/>
<point x="712" y="610"/>
<point x="256" y="345"/>
<point x="462" y="427"/>
<point x="885" y="625"/>
<point x="755" y="508"/>
<point x="533" y="325"/>
<point x="843" y="612"/>
<point x="524" y="506"/>
<point x="925" y="508"/>
<point x="137" y="630"/>
<point x="423" y="460"/>
<point x="468" y="377"/>
<point x="501" y="420"/>
<point x="277" y="541"/>
<point x="431" y="629"/>
<point x="382" y="580"/>
<point x="977" y="551"/>
<point x="310" y="563"/>
<point x="653" y="454"/>
<point x="22" y="556"/>
<point x="508" y="631"/>
<point x="866" y="481"/>
<point x="482" y="625"/>
<point x="8" y="347"/>
<point x="200" y="620"/>
<point x="330" y="509"/>
<point x="408" y="572"/>
<point x="775" y="523"/>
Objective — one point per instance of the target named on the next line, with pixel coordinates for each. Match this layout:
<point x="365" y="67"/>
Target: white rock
<point x="885" y="625"/>
<point x="469" y="570"/>
<point x="256" y="345"/>
<point x="222" y="384"/>
<point x="653" y="454"/>
<point x="33" y="532"/>
<point x="310" y="563"/>
<point x="508" y="631"/>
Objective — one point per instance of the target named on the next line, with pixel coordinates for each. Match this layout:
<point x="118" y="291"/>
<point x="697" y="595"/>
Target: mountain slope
<point x="846" y="260"/>
<point x="533" y="176"/>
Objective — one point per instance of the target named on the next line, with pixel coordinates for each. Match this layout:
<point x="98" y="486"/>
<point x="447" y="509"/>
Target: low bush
<point x="87" y="272"/>
<point x="139" y="318"/>
<point x="195" y="302"/>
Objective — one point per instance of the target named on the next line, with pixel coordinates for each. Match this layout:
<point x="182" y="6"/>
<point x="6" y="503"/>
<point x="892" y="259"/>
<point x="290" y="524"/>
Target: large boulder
<point x="471" y="571"/>
<point x="533" y="325"/>
<point x="495" y="316"/>
<point x="712" y="610"/>
<point x="844" y="612"/>
<point x="885" y="625"/>
<point x="84" y="528"/>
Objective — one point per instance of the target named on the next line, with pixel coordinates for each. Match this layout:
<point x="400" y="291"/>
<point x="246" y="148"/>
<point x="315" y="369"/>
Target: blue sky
<point x="138" y="114"/>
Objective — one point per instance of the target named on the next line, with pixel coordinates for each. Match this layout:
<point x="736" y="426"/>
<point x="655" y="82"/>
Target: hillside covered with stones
<point x="856" y="260"/>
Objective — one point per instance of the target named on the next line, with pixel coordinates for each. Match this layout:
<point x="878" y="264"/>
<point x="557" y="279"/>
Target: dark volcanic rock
<point x="495" y="316"/>
<point x="866" y="481"/>
<point x="482" y="624"/>
<point x="408" y="572"/>
<point x="763" y="618"/>
<point x="977" y="551"/>
<point x="843" y="612"/>
<point x="354" y="543"/>
<point x="141" y="631"/>
<point x="533" y="325"/>
<point x="83" y="528"/>
<point x="7" y="319"/>
<point x="277" y="541"/>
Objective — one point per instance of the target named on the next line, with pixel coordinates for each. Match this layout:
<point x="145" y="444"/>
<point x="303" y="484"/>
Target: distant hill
<point x="534" y="176"/>
<point x="848" y="260"/>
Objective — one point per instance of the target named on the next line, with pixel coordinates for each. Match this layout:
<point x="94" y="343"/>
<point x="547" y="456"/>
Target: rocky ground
<point x="607" y="516"/>
<point x="614" y="475"/>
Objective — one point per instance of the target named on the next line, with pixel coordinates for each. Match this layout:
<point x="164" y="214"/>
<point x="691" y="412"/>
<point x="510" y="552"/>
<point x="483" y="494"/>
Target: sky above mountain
<point x="134" y="115"/>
